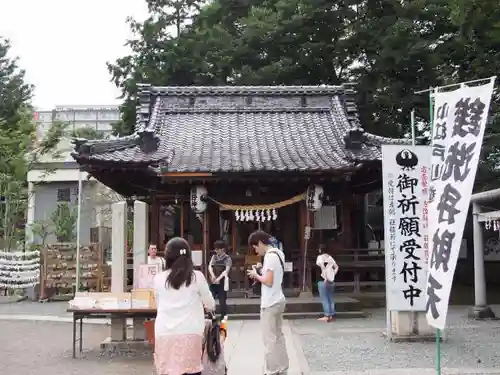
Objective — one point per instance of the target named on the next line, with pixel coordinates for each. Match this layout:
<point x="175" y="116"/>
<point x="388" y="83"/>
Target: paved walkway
<point x="347" y="347"/>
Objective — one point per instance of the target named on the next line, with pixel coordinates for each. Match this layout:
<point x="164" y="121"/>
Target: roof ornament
<point x="354" y="139"/>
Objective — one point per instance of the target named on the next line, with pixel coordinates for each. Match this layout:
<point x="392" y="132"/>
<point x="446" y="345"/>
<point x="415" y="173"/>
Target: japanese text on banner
<point x="459" y="122"/>
<point x="405" y="181"/>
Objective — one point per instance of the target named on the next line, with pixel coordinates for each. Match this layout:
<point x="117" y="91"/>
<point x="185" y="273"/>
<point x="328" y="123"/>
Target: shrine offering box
<point x="143" y="299"/>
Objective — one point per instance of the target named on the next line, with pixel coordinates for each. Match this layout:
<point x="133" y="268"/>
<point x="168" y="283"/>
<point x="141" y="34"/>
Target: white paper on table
<point x="140" y="304"/>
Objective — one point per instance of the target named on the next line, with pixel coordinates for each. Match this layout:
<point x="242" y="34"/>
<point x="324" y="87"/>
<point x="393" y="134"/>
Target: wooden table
<point x="80" y="314"/>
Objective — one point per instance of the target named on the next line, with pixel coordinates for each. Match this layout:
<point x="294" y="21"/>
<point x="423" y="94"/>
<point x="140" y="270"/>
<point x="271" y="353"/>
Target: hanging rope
<point x="272" y="206"/>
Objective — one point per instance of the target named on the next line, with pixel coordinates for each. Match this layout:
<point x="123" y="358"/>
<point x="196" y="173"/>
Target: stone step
<point x="303" y="315"/>
<point x="293" y="305"/>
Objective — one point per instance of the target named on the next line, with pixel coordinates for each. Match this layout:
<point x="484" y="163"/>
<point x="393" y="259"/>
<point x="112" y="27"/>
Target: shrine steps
<point x="296" y="308"/>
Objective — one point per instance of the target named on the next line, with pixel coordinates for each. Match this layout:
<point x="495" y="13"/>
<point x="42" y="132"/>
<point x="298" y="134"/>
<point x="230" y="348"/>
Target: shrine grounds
<point x="35" y="339"/>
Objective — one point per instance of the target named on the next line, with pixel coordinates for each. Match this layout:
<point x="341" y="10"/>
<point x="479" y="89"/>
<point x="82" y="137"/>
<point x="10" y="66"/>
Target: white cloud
<point x="64" y="45"/>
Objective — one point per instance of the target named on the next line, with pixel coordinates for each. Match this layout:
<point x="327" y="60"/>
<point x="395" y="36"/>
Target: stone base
<point x="415" y="338"/>
<point x="482" y="313"/>
<point x="409" y="326"/>
<point x="138" y="347"/>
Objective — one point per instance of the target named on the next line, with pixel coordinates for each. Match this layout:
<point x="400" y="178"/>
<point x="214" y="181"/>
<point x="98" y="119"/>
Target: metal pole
<point x="454" y="84"/>
<point x="78" y="218"/>
<point x="413" y="141"/>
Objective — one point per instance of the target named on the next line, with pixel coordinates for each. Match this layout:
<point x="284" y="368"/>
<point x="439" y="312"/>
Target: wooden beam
<point x="186" y="174"/>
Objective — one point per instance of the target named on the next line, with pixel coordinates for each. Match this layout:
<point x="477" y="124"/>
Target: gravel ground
<point x="358" y="345"/>
<point x="41" y="348"/>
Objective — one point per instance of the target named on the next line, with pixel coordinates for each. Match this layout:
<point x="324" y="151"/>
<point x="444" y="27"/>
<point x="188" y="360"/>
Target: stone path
<point x="35" y="340"/>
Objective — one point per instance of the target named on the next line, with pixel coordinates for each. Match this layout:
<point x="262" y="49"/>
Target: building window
<point x="64" y="195"/>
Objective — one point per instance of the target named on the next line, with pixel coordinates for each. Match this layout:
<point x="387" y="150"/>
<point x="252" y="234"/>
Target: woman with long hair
<point x="182" y="295"/>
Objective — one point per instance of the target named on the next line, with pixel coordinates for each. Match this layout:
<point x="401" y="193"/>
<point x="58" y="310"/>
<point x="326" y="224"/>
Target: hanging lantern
<point x="314" y="197"/>
<point x="198" y="199"/>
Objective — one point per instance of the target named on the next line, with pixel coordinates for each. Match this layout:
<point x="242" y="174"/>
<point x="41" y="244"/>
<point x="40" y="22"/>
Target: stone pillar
<point x="480" y="310"/>
<point x="119" y="264"/>
<point x="141" y="228"/>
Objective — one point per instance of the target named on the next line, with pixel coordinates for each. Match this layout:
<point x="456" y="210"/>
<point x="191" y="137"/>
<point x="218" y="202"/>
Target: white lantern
<point x="314" y="197"/>
<point x="198" y="199"/>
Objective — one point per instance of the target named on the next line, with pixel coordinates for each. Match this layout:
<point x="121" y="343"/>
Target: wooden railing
<point x="360" y="270"/>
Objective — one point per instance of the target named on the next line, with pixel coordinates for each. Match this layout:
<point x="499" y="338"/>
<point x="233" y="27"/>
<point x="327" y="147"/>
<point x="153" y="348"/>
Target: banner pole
<point x="438" y="331"/>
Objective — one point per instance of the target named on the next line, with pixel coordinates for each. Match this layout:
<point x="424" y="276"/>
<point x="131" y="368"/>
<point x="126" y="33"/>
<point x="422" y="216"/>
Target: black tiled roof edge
<point x="378" y="140"/>
<point x="89" y="147"/>
<point x="148" y="90"/>
<point x="143" y="108"/>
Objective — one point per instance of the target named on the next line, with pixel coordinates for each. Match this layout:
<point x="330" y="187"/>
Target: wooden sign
<point x="145" y="275"/>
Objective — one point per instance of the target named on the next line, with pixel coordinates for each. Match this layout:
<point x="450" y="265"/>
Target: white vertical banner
<point x="457" y="135"/>
<point x="405" y="172"/>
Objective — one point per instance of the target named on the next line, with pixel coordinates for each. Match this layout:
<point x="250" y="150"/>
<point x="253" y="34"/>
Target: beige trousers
<point x="275" y="354"/>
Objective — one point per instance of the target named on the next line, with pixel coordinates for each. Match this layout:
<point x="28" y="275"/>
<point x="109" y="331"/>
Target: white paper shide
<point x="457" y="135"/>
<point x="405" y="182"/>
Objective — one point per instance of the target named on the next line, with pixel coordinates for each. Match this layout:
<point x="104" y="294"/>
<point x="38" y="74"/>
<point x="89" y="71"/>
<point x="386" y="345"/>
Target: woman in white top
<point x="182" y="294"/>
<point x="329" y="269"/>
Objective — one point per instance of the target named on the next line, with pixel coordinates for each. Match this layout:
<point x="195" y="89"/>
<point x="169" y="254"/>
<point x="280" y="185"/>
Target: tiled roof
<point x="241" y="129"/>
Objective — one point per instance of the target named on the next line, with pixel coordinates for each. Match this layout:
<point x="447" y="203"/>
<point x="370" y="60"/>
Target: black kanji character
<point x="432" y="298"/>
<point x="438" y="150"/>
<point x="436" y="172"/>
<point x="476" y="111"/>
<point x="439" y="131"/>
<point x="441" y="249"/>
<point x="409" y="226"/>
<point x="448" y="204"/>
<point x="407" y="204"/>
<point x="410" y="272"/>
<point x="459" y="156"/>
<point x="409" y="247"/>
<point x="411" y="293"/>
<point x="432" y="194"/>
<point x="442" y="112"/>
<point x="406" y="182"/>
<point x="463" y="125"/>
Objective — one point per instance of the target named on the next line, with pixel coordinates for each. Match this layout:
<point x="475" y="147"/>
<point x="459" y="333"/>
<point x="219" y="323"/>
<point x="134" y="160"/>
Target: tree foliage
<point x="88" y="133"/>
<point x="19" y="147"/>
<point x="390" y="48"/>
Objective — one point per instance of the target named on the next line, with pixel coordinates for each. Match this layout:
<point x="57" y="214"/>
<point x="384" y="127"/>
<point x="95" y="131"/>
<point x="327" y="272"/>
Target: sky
<point x="64" y="45"/>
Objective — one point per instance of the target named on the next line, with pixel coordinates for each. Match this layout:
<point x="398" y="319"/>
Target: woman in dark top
<point x="219" y="267"/>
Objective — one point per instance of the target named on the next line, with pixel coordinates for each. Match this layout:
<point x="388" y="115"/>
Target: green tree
<point x="64" y="219"/>
<point x="19" y="147"/>
<point x="390" y="48"/>
<point x="14" y="92"/>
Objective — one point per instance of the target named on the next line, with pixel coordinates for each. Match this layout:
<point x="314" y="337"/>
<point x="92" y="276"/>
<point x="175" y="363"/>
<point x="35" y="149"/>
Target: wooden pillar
<point x="155" y="223"/>
<point x="304" y="221"/>
<point x="181" y="226"/>
<point x="161" y="227"/>
<point x="346" y="208"/>
<point x="234" y="234"/>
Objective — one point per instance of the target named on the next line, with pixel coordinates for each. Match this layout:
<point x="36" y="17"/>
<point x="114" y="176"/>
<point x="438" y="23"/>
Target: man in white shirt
<point x="272" y="302"/>
<point x="153" y="258"/>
